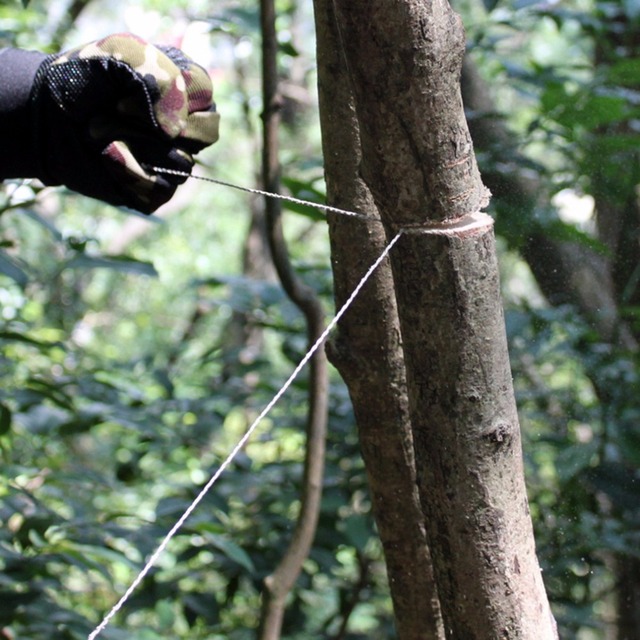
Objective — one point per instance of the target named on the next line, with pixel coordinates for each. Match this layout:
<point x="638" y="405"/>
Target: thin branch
<point x="349" y="606"/>
<point x="281" y="581"/>
<point x="72" y="13"/>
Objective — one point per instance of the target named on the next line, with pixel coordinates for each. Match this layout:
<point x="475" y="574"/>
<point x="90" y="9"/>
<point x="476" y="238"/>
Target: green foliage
<point x="101" y="455"/>
<point x="565" y="78"/>
<point x="582" y="451"/>
<point x="123" y="383"/>
<point x="123" y="386"/>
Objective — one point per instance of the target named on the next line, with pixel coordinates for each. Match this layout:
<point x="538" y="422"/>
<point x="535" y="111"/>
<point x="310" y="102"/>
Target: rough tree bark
<point x="375" y="377"/>
<point x="417" y="159"/>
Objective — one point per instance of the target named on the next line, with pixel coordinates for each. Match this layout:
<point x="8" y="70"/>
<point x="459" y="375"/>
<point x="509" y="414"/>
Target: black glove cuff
<point x="18" y="69"/>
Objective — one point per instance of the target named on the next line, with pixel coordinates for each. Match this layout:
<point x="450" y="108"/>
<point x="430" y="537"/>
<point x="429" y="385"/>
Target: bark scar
<point x="470" y="223"/>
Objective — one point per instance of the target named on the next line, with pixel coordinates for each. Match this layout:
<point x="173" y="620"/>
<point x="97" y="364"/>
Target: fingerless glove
<point x="102" y="115"/>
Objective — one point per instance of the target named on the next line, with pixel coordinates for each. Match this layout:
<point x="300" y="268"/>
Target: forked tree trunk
<point x="404" y="59"/>
<point x="375" y="376"/>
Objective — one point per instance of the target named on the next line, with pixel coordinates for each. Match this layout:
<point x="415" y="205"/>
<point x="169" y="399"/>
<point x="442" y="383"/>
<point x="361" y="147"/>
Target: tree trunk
<point x="417" y="160"/>
<point x="367" y="351"/>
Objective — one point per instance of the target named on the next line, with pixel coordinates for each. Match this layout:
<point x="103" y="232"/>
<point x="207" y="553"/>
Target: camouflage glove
<point x="107" y="112"/>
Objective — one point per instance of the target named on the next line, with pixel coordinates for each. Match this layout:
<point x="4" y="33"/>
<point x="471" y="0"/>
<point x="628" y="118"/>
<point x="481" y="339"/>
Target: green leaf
<point x="598" y="110"/>
<point x="15" y="336"/>
<point x="41" y="418"/>
<point x="48" y="225"/>
<point x="606" y="145"/>
<point x="560" y="230"/>
<point x="586" y="109"/>
<point x="247" y="293"/>
<point x="619" y="483"/>
<point x="171" y="506"/>
<point x="117" y="263"/>
<point x="357" y="529"/>
<point x="244" y="20"/>
<point x="232" y="551"/>
<point x="10" y="268"/>
<point x="554" y="97"/>
<point x="573" y="459"/>
<point x="203" y="605"/>
<point x="165" y="614"/>
<point x="53" y="391"/>
<point x="288" y="49"/>
<point x="304" y="190"/>
<point x="625" y="72"/>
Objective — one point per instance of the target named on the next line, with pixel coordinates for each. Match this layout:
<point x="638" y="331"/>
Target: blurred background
<point x="135" y="351"/>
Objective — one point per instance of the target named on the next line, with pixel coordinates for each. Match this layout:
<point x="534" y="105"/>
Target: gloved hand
<point x="105" y="113"/>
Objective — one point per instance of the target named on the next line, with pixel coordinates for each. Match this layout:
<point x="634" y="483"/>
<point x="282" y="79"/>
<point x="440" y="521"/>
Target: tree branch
<point x="349" y="605"/>
<point x="281" y="581"/>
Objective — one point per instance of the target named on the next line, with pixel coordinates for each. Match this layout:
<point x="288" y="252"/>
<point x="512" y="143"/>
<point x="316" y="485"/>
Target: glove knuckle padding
<point x="161" y="80"/>
<point x="132" y="105"/>
<point x="201" y="127"/>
